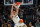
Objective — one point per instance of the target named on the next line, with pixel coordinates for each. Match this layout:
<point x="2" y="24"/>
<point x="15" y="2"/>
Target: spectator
<point x="0" y="23"/>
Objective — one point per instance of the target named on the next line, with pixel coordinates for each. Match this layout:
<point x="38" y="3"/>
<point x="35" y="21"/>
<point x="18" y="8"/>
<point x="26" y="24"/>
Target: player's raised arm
<point x="11" y="12"/>
<point x="16" y="10"/>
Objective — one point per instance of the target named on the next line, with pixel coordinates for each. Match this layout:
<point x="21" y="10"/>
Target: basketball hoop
<point x="18" y="4"/>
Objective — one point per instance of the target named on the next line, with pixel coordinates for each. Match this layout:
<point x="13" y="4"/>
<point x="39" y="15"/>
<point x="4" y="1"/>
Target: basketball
<point x="20" y="21"/>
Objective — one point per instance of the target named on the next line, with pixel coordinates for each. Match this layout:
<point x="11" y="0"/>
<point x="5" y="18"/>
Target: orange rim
<point x="18" y="3"/>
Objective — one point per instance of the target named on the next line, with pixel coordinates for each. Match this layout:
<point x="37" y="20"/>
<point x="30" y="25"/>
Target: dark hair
<point x="14" y="9"/>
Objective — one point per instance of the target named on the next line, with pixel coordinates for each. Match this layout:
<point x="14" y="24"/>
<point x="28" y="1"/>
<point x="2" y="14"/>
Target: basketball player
<point x="15" y="18"/>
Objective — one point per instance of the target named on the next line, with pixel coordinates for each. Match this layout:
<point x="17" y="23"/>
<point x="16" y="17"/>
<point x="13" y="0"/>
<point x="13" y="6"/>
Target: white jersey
<point x="16" y="18"/>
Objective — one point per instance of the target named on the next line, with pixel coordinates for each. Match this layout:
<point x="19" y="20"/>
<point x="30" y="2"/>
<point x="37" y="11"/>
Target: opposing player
<point x="14" y="16"/>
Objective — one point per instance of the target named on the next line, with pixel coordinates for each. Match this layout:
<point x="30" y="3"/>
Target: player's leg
<point x="15" y="26"/>
<point x="24" y="25"/>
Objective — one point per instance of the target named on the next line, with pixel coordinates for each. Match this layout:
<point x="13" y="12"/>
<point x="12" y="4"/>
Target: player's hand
<point x="14" y="4"/>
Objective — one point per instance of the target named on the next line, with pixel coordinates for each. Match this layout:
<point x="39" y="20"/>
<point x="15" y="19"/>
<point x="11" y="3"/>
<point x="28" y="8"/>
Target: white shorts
<point x="19" y="24"/>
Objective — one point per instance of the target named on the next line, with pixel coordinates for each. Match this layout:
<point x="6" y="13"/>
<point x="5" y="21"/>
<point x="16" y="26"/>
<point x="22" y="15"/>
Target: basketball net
<point x="18" y="4"/>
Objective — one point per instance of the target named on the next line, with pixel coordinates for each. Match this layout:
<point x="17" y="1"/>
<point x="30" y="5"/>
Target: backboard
<point x="23" y="2"/>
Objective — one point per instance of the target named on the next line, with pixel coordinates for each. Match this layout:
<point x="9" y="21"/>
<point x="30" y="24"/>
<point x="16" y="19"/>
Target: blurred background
<point x="29" y="13"/>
